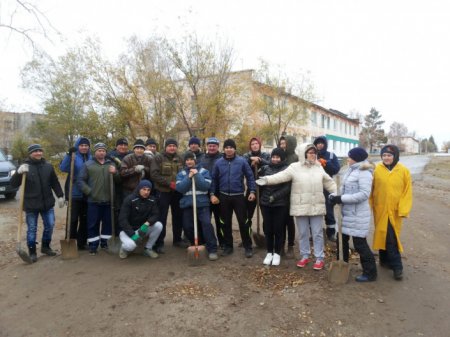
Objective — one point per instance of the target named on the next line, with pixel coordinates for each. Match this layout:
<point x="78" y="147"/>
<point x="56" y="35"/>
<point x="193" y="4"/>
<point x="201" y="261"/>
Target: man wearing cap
<point x="330" y="164"/>
<point x="202" y="180"/>
<point x="94" y="181"/>
<point x="151" y="147"/>
<point x="228" y="188"/>
<point x="78" y="216"/>
<point x="194" y="147"/>
<point x="134" y="167"/>
<point x="139" y="219"/>
<point x="164" y="169"/>
<point x="209" y="159"/>
<point x="41" y="180"/>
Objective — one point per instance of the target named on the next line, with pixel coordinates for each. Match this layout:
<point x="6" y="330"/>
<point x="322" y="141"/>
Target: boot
<point x="45" y="249"/>
<point x="290" y="252"/>
<point x="32" y="252"/>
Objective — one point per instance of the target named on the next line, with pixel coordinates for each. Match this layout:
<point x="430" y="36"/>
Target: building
<point x="12" y="123"/>
<point x="409" y="145"/>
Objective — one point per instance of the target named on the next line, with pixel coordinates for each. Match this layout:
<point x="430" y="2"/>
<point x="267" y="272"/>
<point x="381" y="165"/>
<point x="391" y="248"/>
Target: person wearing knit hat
<point x="164" y="168"/>
<point x="274" y="201"/>
<point x="356" y="185"/>
<point x="78" y="216"/>
<point x="138" y="220"/>
<point x="100" y="146"/>
<point x="212" y="140"/>
<point x="390" y="206"/>
<point x="121" y="141"/>
<point x="41" y="182"/>
<point x="139" y="143"/>
<point x="151" y="147"/>
<point x="227" y="189"/>
<point x="194" y="147"/>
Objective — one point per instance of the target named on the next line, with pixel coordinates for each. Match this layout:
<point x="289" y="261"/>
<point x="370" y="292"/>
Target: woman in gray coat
<point x="355" y="191"/>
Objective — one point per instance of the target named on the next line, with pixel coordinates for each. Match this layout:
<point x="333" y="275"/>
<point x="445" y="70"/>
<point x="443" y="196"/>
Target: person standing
<point x="307" y="201"/>
<point x="202" y="179"/>
<point x="164" y="169"/>
<point x="228" y="189"/>
<point x="208" y="161"/>
<point x="139" y="219"/>
<point x="94" y="181"/>
<point x="78" y="216"/>
<point x="194" y="147"/>
<point x="330" y="164"/>
<point x="391" y="201"/>
<point x="354" y="197"/>
<point x="151" y="147"/>
<point x="274" y="207"/>
<point x="41" y="181"/>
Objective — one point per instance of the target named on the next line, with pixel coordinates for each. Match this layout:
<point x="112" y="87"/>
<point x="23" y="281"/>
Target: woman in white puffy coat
<point x="307" y="201"/>
<point x="356" y="214"/>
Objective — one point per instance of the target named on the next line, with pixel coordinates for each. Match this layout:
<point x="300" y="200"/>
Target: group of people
<point x="136" y="189"/>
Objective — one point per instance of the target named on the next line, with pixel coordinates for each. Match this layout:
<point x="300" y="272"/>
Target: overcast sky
<point x="391" y="55"/>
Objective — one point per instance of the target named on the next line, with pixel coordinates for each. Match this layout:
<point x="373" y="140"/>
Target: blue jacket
<point x="64" y="166"/>
<point x="228" y="176"/>
<point x="202" y="184"/>
<point x="332" y="166"/>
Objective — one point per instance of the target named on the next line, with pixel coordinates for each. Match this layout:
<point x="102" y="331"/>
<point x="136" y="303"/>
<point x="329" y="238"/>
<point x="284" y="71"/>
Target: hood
<point x="321" y="139"/>
<point x="77" y="143"/>
<point x="291" y="144"/>
<point x="363" y="166"/>
<point x="259" y="142"/>
<point x="396" y="153"/>
<point x="303" y="148"/>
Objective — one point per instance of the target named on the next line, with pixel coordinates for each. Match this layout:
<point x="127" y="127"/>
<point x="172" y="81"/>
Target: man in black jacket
<point x="41" y="179"/>
<point x="138" y="219"/>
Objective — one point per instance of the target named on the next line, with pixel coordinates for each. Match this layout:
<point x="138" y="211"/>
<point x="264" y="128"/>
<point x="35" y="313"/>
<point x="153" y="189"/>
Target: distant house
<point x="12" y="123"/>
<point x="409" y="145"/>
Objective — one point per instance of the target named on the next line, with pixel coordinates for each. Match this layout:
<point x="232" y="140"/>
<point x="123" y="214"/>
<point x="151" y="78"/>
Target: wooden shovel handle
<point x="21" y="201"/>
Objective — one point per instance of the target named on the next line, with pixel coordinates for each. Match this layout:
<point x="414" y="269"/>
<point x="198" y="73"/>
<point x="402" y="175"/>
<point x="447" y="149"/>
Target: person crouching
<point x="139" y="219"/>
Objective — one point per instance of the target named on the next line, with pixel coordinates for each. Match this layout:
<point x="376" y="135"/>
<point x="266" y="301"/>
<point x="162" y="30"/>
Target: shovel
<point x="259" y="239"/>
<point x="196" y="254"/>
<point x="22" y="253"/>
<point x="339" y="270"/>
<point x="114" y="243"/>
<point x="69" y="248"/>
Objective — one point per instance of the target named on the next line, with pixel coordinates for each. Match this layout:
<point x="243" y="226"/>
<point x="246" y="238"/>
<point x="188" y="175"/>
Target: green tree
<point x="372" y="133"/>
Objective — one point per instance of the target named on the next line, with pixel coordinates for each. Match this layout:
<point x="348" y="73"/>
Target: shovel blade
<point x="196" y="255"/>
<point x="69" y="249"/>
<point x="114" y="245"/>
<point x="339" y="272"/>
<point x="23" y="255"/>
<point x="259" y="240"/>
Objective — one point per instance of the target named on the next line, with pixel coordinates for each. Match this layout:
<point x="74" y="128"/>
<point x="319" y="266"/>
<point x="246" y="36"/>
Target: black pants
<point x="235" y="203"/>
<point x="365" y="254"/>
<point x="170" y="199"/>
<point x="288" y="227"/>
<point x="78" y="221"/>
<point x="215" y="209"/>
<point x="391" y="256"/>
<point x="251" y="206"/>
<point x="273" y="224"/>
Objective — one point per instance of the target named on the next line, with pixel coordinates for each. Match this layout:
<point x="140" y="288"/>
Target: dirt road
<point x="234" y="296"/>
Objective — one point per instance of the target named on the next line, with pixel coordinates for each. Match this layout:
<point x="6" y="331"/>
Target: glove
<point x="323" y="162"/>
<point x="72" y="150"/>
<point x="139" y="168"/>
<point x="271" y="199"/>
<point x="172" y="185"/>
<point x="143" y="229"/>
<point x="335" y="199"/>
<point x="136" y="238"/>
<point x="61" y="202"/>
<point x="24" y="168"/>
<point x="261" y="181"/>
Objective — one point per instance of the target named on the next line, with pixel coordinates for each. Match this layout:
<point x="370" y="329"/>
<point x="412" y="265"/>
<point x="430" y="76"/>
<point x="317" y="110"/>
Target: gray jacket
<point x="355" y="191"/>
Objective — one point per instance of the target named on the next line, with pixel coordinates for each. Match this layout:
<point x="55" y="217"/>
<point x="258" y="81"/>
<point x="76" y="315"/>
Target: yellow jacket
<point x="391" y="198"/>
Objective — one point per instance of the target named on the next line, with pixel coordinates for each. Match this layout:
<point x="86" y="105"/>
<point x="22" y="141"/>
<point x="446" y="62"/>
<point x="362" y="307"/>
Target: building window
<point x="328" y="122"/>
<point x="334" y="124"/>
<point x="313" y="118"/>
<point x="322" y="121"/>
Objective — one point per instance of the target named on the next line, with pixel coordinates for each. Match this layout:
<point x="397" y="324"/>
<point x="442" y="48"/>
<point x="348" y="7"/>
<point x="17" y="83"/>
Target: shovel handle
<point x="111" y="191"/>
<point x="339" y="221"/>
<point x="22" y="195"/>
<point x="257" y="200"/>
<point x="194" y="209"/>
<point x="69" y="206"/>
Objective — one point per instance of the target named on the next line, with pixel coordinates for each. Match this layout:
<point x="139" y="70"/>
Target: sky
<point x="390" y="55"/>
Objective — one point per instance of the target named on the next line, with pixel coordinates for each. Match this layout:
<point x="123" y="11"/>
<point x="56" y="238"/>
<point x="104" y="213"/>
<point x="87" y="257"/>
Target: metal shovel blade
<point x="339" y="272"/>
<point x="23" y="255"/>
<point x="259" y="240"/>
<point x="114" y="245"/>
<point x="196" y="255"/>
<point x="69" y="249"/>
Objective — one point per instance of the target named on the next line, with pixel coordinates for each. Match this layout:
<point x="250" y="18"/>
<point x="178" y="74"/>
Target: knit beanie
<point x="144" y="183"/>
<point x="212" y="140"/>
<point x="99" y="146"/>
<point x="358" y="154"/>
<point x="189" y="155"/>
<point x="151" y="141"/>
<point x="170" y="141"/>
<point x="121" y="141"/>
<point x="392" y="149"/>
<point x="278" y="151"/>
<point x="85" y="141"/>
<point x="34" y="147"/>
<point x="229" y="143"/>
<point x="194" y="140"/>
<point x="139" y="143"/>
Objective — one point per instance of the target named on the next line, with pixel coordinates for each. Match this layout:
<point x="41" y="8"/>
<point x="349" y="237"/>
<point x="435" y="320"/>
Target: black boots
<point x="45" y="249"/>
<point x="32" y="252"/>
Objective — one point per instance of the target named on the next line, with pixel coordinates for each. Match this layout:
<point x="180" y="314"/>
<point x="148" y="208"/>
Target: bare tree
<point x="396" y="132"/>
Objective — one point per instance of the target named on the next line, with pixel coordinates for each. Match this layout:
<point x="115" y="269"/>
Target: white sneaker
<point x="150" y="253"/>
<point x="276" y="260"/>
<point x="268" y="260"/>
<point x="123" y="254"/>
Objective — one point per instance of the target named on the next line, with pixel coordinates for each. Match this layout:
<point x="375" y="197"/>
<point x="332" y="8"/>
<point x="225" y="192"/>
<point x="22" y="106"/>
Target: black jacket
<point x="41" y="180"/>
<point x="135" y="211"/>
<point x="279" y="192"/>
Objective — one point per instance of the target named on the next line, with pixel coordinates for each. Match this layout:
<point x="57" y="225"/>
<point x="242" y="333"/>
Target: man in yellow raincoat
<point x="391" y="201"/>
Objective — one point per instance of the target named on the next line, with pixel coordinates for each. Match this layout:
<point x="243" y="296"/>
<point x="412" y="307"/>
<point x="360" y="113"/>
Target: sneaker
<point x="181" y="244"/>
<point x="213" y="256"/>
<point x="303" y="262"/>
<point x="398" y="274"/>
<point x="150" y="253"/>
<point x="268" y="260"/>
<point x="227" y="251"/>
<point x="92" y="252"/>
<point x="123" y="254"/>
<point x="248" y="252"/>
<point x="276" y="260"/>
<point x="319" y="265"/>
<point x="364" y="278"/>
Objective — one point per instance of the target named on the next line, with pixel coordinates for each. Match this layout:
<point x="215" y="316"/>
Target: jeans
<point x="365" y="254"/>
<point x="274" y="219"/>
<point x="304" y="224"/>
<point x="204" y="224"/>
<point x="172" y="200"/>
<point x="98" y="213"/>
<point x="48" y="218"/>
